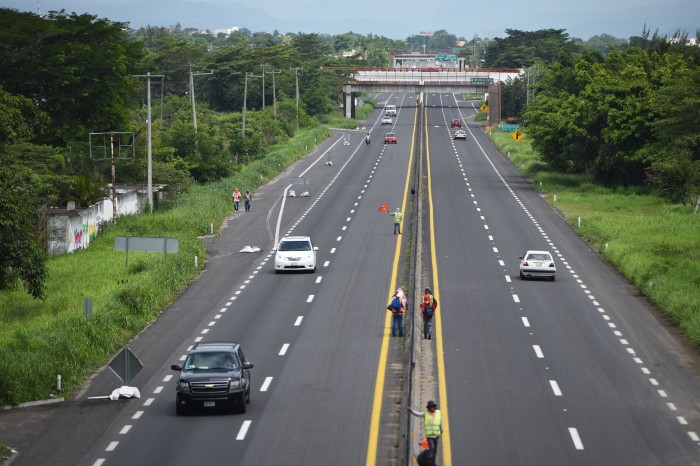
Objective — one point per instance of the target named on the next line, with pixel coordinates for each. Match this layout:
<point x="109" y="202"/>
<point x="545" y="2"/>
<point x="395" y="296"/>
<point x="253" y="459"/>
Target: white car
<point x="295" y="253"/>
<point x="386" y="120"/>
<point x="537" y="264"/>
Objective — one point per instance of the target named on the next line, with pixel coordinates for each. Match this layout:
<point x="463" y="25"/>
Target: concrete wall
<point x="70" y="230"/>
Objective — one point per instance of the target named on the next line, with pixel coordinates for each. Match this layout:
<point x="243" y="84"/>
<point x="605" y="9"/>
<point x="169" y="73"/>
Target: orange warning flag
<point x="384" y="208"/>
<point x="424" y="443"/>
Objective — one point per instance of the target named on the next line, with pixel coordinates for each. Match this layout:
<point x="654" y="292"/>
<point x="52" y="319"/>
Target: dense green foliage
<point x="627" y="118"/>
<point x="20" y="249"/>
<point x="522" y="48"/>
<point x="74" y="67"/>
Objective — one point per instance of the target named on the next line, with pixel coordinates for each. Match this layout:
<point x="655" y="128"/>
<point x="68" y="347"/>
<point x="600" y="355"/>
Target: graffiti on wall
<point x="73" y="230"/>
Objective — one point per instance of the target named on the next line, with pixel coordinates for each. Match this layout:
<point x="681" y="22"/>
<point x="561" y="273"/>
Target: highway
<point x="572" y="372"/>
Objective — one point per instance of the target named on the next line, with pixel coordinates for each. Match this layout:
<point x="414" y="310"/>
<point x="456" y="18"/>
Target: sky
<point x="396" y="19"/>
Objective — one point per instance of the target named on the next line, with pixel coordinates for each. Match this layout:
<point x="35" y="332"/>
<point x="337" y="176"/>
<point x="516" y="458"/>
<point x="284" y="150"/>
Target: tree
<point x="513" y="97"/>
<point x="604" y="42"/>
<point x="523" y="48"/>
<point x="20" y="119"/>
<point x="615" y="117"/>
<point x="442" y="41"/>
<point x="21" y="252"/>
<point x="76" y="68"/>
<point x="674" y="158"/>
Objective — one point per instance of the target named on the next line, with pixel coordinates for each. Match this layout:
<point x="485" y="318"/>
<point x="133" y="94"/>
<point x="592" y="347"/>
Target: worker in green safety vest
<point x="432" y="419"/>
<point x="397" y="220"/>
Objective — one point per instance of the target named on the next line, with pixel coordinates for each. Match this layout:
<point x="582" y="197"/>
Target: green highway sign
<point x="504" y="127"/>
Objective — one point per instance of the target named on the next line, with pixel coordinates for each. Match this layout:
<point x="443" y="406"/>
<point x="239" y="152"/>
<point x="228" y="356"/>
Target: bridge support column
<point x="349" y="101"/>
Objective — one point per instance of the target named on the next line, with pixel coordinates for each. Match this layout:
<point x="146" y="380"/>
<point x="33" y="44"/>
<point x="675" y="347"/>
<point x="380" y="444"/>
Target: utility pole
<point x="274" y="94"/>
<point x="150" y="143"/>
<point x="263" y="89"/>
<point x="245" y="98"/>
<point x="194" y="111"/>
<point x="296" y="76"/>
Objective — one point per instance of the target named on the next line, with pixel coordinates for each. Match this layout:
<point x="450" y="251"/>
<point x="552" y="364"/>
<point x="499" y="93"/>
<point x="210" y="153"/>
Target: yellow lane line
<point x="381" y="369"/>
<point x="437" y="320"/>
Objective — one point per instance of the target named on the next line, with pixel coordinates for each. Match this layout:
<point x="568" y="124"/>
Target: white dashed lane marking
<point x="125" y="429"/>
<point x="298" y="321"/>
<point x="284" y="349"/>
<point x="555" y="387"/>
<point x="266" y="384"/>
<point x="575" y="437"/>
<point x="538" y="351"/>
<point x="244" y="430"/>
<point x="111" y="446"/>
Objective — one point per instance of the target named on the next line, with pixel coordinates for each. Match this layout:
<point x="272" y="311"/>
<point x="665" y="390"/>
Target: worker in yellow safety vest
<point x="397" y="220"/>
<point x="432" y="424"/>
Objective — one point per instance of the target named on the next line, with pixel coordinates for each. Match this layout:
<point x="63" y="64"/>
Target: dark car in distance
<point x="214" y="375"/>
<point x="456" y="124"/>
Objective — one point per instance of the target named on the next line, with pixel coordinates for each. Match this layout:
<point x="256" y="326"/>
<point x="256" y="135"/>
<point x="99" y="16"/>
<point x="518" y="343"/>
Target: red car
<point x="390" y="138"/>
<point x="456" y="124"/>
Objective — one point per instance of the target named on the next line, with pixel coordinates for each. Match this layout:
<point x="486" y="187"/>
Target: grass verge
<point x="654" y="244"/>
<point x="41" y="339"/>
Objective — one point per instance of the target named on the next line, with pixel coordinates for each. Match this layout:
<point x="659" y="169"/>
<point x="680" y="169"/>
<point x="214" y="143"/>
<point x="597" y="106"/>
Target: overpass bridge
<point x="419" y="80"/>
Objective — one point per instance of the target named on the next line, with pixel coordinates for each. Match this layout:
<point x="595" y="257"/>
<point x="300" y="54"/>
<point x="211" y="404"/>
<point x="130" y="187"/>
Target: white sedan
<point x="537" y="264"/>
<point x="295" y="253"/>
<point x="386" y="120"/>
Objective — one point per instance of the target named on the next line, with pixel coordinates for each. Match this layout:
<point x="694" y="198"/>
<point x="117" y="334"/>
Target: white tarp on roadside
<point x="125" y="392"/>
